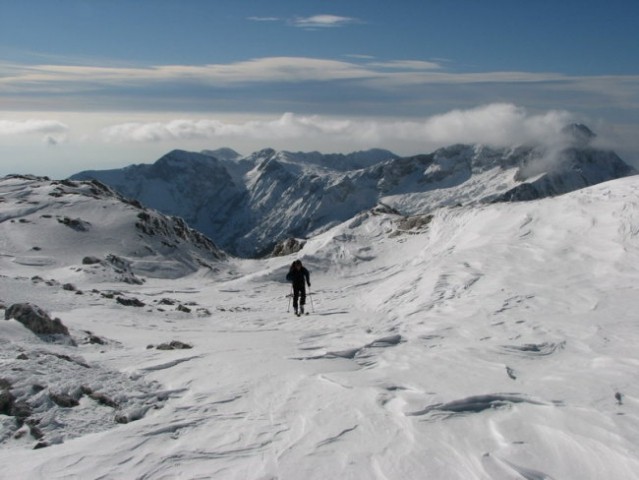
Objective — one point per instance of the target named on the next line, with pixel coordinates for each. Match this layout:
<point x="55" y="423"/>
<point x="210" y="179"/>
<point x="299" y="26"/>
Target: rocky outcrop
<point x="35" y="319"/>
<point x="287" y="247"/>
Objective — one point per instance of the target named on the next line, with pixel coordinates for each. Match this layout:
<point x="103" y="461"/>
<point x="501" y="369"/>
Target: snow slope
<point x="58" y="225"/>
<point x="495" y="341"/>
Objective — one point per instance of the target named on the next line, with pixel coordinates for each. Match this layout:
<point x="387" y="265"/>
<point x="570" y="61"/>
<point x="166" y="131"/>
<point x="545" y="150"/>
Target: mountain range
<point x="247" y="205"/>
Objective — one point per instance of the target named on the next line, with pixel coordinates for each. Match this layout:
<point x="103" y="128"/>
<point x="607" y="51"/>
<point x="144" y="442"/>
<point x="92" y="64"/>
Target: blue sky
<point x="106" y="83"/>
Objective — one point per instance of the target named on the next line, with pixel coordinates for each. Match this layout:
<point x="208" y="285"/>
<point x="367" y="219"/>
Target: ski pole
<point x="288" y="308"/>
<point x="311" y="296"/>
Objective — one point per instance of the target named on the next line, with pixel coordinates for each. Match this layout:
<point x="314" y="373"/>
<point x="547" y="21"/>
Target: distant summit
<point x="227" y="154"/>
<point x="579" y="134"/>
<point x="249" y="204"/>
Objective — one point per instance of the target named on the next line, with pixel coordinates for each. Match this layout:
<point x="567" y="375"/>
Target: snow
<point x="499" y="341"/>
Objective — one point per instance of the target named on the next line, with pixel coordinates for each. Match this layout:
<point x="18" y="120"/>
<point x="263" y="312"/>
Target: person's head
<point x="297" y="264"/>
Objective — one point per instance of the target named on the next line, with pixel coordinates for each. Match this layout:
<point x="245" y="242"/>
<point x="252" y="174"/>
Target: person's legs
<point x="302" y="298"/>
<point x="296" y="295"/>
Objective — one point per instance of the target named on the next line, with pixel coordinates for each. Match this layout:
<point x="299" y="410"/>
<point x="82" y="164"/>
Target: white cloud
<point x="263" y="19"/>
<point x="494" y="124"/>
<point x="323" y="21"/>
<point x="497" y="124"/>
<point x="33" y="126"/>
<point x="406" y="65"/>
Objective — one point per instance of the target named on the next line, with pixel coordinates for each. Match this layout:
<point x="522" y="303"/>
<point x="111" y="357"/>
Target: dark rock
<point x="174" y="345"/>
<point x="95" y="340"/>
<point x="383" y="209"/>
<point x="67" y="358"/>
<point x="121" y="418"/>
<point x="69" y="287"/>
<point x="91" y="261"/>
<point x="6" y="402"/>
<point x="287" y="247"/>
<point x="10" y="407"/>
<point x="35" y="319"/>
<point x="103" y="399"/>
<point x="184" y="309"/>
<point x="63" y="400"/>
<point x="34" y="430"/>
<point x="75" y="223"/>
<point x="122" y="267"/>
<point x="130" y="302"/>
<point x="416" y="222"/>
<point x="22" y="411"/>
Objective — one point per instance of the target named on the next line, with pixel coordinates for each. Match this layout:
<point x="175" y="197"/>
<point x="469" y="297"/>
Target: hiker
<point x="298" y="275"/>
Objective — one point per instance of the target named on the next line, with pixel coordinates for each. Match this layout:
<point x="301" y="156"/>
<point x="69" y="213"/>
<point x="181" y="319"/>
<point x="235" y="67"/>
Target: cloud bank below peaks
<point x="493" y="124"/>
<point x="52" y="132"/>
<point x="24" y="127"/>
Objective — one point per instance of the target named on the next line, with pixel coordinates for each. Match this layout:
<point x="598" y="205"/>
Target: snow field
<point x="499" y="343"/>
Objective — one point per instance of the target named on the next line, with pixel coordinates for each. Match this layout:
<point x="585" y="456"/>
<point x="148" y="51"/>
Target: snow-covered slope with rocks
<point x="247" y="205"/>
<point x="112" y="237"/>
<point x="490" y="341"/>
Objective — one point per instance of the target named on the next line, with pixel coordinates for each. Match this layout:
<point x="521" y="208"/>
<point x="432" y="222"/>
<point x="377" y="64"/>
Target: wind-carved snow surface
<point x="492" y="341"/>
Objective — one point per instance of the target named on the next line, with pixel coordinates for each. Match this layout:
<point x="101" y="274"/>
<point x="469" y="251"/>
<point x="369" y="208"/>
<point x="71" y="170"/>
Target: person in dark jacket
<point x="299" y="277"/>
